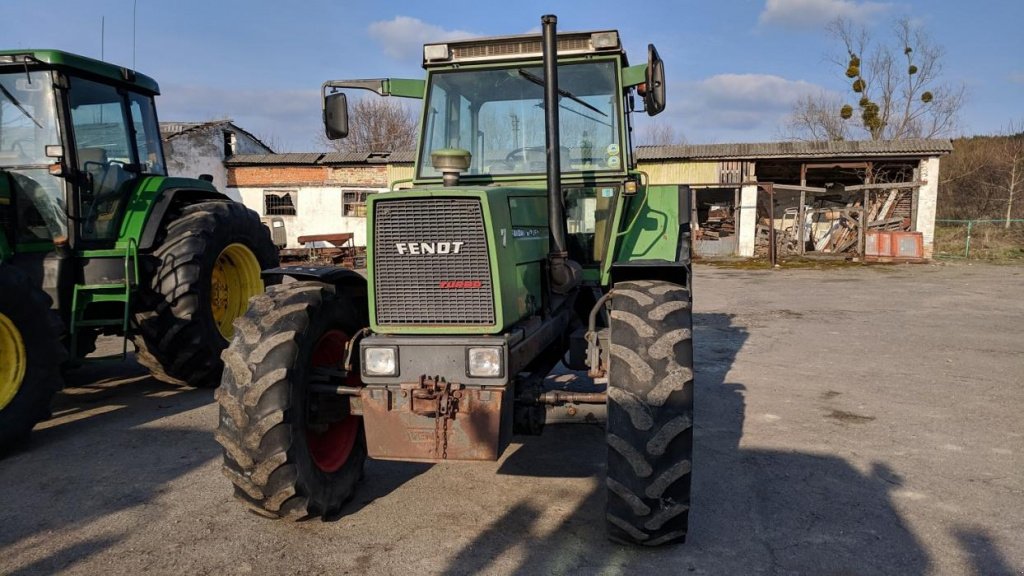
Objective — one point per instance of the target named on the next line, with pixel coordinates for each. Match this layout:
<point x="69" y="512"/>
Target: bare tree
<point x="377" y="125"/>
<point x="814" y="118"/>
<point x="1009" y="175"/>
<point x="984" y="176"/>
<point x="659" y="134"/>
<point x="898" y="86"/>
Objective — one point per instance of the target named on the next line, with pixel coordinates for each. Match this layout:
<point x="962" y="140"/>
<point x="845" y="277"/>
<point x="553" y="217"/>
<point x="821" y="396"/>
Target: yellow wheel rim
<point x="12" y="361"/>
<point x="235" y="279"/>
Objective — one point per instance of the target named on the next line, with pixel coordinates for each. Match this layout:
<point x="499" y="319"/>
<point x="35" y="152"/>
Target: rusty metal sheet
<point x="432" y="421"/>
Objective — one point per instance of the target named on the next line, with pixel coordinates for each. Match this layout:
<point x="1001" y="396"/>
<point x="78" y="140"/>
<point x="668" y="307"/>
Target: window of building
<point x="354" y="202"/>
<point x="279" y="202"/>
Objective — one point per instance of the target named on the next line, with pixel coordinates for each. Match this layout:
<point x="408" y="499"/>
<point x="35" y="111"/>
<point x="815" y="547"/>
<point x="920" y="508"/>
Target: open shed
<point x="807" y="198"/>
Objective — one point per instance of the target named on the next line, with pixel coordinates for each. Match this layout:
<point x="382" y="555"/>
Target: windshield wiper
<point x="19" y="106"/>
<point x="540" y="82"/>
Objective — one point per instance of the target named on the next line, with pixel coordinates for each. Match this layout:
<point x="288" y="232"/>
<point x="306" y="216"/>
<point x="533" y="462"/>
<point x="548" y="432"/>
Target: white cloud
<point x="816" y="13"/>
<point x="747" y="107"/>
<point x="403" y="37"/>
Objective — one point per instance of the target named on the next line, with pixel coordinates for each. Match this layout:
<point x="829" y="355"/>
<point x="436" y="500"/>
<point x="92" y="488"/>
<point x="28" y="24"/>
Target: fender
<point x="342" y="279"/>
<point x="153" y="198"/>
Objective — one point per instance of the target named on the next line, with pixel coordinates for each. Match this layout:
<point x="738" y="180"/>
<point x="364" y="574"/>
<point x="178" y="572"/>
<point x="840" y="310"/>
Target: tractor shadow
<point x="104" y="452"/>
<point x="755" y="511"/>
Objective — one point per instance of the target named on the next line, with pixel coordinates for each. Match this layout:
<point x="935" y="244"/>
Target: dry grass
<point x="989" y="241"/>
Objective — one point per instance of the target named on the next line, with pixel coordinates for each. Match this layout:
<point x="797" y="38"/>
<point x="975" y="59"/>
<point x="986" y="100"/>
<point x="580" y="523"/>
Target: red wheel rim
<point x="331" y="448"/>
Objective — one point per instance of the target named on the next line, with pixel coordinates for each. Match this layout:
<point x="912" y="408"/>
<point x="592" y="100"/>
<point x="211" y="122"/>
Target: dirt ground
<point x="848" y="421"/>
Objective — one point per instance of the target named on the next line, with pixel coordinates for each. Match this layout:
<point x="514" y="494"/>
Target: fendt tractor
<point x="527" y="239"/>
<point x="95" y="238"/>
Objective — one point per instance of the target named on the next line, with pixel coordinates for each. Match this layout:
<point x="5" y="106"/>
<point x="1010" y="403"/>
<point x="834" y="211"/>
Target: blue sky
<point x="734" y="67"/>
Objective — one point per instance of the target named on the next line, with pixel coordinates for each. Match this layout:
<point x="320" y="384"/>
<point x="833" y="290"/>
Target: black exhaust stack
<point x="565" y="274"/>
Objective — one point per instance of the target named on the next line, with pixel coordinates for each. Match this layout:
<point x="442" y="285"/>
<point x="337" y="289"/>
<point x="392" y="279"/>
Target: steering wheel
<point x="533" y="158"/>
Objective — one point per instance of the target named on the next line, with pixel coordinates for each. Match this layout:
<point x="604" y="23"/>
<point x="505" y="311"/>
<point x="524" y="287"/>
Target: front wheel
<point x="291" y="452"/>
<point x="650" y="413"/>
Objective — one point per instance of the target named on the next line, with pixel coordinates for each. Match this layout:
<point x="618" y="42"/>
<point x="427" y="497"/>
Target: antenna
<point x="103" y="36"/>
<point x="134" y="6"/>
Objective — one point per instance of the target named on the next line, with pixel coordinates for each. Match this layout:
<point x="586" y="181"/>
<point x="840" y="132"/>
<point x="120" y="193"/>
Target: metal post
<point x="862" y="237"/>
<point x="967" y="245"/>
<point x="800" y="225"/>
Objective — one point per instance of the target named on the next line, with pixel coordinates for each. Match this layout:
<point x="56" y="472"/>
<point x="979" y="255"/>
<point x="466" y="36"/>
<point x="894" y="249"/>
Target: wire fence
<point x="982" y="239"/>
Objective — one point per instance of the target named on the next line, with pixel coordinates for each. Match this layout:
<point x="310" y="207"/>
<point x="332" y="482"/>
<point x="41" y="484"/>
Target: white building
<point x="196" y="148"/>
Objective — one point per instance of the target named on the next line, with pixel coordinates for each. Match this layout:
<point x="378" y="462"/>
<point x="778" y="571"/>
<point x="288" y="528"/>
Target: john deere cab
<point x="527" y="239"/>
<point x="95" y="237"/>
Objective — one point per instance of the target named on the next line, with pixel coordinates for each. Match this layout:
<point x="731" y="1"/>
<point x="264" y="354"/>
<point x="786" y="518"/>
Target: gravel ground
<point x="848" y="421"/>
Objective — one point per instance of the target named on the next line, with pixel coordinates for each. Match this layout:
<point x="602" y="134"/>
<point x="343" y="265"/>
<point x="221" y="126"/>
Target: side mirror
<point x="654" y="91"/>
<point x="336" y="115"/>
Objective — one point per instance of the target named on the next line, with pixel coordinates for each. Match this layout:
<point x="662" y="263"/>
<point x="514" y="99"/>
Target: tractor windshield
<point x="498" y="115"/>
<point x="28" y="124"/>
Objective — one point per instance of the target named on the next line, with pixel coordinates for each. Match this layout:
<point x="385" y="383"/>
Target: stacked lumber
<point x="721" y="223"/>
<point x="889" y="210"/>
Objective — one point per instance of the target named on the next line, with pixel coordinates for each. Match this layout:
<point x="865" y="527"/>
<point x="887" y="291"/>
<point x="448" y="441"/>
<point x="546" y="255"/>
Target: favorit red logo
<point x="454" y="284"/>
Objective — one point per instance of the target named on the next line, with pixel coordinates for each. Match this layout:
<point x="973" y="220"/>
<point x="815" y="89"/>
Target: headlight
<point x="380" y="361"/>
<point x="485" y="362"/>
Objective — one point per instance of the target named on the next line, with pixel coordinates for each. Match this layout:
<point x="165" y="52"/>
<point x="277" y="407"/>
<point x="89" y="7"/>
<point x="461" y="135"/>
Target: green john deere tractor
<point x="528" y="239"/>
<point x="95" y="238"/>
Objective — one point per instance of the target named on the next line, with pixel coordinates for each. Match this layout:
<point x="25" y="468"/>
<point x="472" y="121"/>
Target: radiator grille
<point x="431" y="288"/>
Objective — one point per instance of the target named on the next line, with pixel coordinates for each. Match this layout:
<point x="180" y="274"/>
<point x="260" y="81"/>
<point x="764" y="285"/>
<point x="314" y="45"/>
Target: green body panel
<point x="634" y="75"/>
<point x="516" y="261"/>
<point x="405" y="87"/>
<point x="649" y="228"/>
<point x="653" y="229"/>
<point x="144" y="196"/>
<point x="58" y="58"/>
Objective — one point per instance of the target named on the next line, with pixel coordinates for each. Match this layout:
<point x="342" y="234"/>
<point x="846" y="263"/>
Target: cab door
<point x="106" y="159"/>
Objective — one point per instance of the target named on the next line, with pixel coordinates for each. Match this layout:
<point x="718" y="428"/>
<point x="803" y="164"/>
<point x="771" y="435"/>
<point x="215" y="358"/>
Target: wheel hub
<point x="235" y="278"/>
<point x="331" y="444"/>
<point x="13" y="360"/>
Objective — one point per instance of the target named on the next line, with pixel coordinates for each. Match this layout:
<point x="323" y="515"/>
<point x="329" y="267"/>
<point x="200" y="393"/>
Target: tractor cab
<point x="75" y="136"/>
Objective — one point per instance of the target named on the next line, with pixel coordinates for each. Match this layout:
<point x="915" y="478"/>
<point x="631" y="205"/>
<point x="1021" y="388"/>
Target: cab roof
<point x="74" y="63"/>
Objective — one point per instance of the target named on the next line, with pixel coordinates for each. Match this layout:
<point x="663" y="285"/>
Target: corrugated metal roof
<point x="323" y="159"/>
<point x="754" y="151"/>
<point x="169" y="130"/>
<point x="396" y="156"/>
<point x="292" y="158"/>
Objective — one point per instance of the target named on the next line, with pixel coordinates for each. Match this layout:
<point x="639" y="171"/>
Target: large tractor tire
<point x="208" y="266"/>
<point x="650" y="413"/>
<point x="291" y="452"/>
<point x="30" y="357"/>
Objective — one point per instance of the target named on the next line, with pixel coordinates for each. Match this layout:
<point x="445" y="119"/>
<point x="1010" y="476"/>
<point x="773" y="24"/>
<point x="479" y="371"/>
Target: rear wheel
<point x="291" y="452"/>
<point x="650" y="413"/>
<point x="30" y="356"/>
<point x="209" y="266"/>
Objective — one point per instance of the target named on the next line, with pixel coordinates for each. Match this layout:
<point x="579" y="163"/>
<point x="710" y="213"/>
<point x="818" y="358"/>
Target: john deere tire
<point x="291" y="453"/>
<point x="30" y="357"/>
<point x="207" y="267"/>
<point x="650" y="413"/>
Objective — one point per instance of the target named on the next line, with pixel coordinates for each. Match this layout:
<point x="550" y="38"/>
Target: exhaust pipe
<point x="565" y="274"/>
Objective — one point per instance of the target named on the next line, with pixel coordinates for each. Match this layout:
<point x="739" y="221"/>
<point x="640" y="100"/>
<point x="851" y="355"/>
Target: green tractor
<point x="95" y="238"/>
<point x="527" y="239"/>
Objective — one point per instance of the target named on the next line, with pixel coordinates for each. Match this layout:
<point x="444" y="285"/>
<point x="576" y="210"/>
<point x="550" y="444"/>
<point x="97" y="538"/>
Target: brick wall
<point x="370" y="176"/>
<point x="247" y="176"/>
<point x="363" y="176"/>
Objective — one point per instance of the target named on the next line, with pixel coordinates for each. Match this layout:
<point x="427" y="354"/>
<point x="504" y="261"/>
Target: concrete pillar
<point x="747" y="227"/>
<point x="927" y="201"/>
